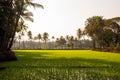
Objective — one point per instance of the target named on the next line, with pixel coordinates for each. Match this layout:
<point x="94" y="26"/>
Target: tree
<point x="104" y="32"/>
<point x="39" y="37"/>
<point x="71" y="42"/>
<point x="110" y="33"/>
<point x="30" y="38"/>
<point x="53" y="38"/>
<point x="94" y="28"/>
<point x="12" y="13"/>
<point x="107" y="38"/>
<point x="45" y="37"/>
<point x="60" y="42"/>
<point x="67" y="37"/>
<point x="114" y="26"/>
<point x="53" y="41"/>
<point x="30" y="35"/>
<point x="79" y="33"/>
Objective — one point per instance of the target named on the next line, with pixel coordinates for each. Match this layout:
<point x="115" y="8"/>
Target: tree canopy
<point x="12" y="16"/>
<point x="104" y="32"/>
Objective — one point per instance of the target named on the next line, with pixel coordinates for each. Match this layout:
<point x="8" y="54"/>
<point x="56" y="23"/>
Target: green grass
<point x="62" y="65"/>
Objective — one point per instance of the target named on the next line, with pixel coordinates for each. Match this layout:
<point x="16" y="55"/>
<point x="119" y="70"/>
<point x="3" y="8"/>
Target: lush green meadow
<point x="62" y="65"/>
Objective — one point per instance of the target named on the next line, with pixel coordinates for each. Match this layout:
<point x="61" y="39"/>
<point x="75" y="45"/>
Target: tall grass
<point x="62" y="65"/>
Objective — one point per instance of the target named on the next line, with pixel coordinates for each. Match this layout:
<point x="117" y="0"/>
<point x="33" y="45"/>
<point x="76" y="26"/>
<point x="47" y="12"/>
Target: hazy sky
<point x="64" y="17"/>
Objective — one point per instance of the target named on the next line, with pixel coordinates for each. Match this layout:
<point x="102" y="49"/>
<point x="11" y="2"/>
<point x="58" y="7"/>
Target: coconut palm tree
<point x="22" y="13"/>
<point x="53" y="38"/>
<point x="53" y="41"/>
<point x="30" y="35"/>
<point x="12" y="13"/>
<point x="39" y="37"/>
<point x="67" y="37"/>
<point x="30" y="38"/>
<point x="71" y="42"/>
<point x="79" y="33"/>
<point x="45" y="38"/>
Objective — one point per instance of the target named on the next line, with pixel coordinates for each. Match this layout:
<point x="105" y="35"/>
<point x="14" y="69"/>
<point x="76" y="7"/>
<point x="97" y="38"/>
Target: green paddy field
<point x="62" y="65"/>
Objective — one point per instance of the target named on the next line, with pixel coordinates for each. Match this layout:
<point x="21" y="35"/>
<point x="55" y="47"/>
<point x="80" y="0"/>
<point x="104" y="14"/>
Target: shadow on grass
<point x="42" y="60"/>
<point x="31" y="55"/>
<point x="2" y="68"/>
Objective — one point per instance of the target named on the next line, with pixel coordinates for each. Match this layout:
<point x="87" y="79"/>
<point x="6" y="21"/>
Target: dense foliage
<point x="103" y="32"/>
<point x="12" y="16"/>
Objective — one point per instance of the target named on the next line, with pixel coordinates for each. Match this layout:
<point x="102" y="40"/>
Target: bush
<point x="117" y="49"/>
<point x="108" y="49"/>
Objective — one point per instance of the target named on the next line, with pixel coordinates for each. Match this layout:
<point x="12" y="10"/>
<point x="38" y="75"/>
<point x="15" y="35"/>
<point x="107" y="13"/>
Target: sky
<point x="64" y="17"/>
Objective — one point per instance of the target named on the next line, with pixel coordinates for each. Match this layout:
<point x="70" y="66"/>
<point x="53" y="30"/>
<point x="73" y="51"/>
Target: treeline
<point x="104" y="36"/>
<point x="43" y="41"/>
<point x="74" y="45"/>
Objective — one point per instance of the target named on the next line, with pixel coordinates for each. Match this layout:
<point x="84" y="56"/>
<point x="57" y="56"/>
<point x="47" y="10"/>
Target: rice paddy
<point x="62" y="65"/>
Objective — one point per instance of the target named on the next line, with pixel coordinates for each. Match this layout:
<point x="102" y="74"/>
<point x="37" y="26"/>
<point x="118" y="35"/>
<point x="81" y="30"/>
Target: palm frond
<point x="28" y="18"/>
<point x="27" y="14"/>
<point x="35" y="5"/>
<point x="115" y="19"/>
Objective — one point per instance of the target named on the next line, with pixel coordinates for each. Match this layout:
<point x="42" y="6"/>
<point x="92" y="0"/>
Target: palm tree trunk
<point x="8" y="42"/>
<point x="16" y="24"/>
